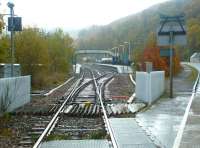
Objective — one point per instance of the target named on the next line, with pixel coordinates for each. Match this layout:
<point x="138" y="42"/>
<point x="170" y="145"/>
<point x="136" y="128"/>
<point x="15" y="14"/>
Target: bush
<point x="58" y="137"/>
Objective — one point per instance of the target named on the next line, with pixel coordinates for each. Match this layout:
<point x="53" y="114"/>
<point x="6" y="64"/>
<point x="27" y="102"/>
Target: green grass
<point x="6" y="117"/>
<point x="97" y="135"/>
<point x="6" y="132"/>
<point x="193" y="75"/>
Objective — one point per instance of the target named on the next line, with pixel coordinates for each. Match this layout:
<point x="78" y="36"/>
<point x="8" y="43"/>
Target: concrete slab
<point x="76" y="144"/>
<point x="128" y="134"/>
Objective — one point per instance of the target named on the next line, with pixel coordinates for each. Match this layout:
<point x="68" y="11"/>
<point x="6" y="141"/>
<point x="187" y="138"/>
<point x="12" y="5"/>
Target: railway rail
<point x="53" y="121"/>
<point x="85" y="108"/>
<point x="79" y="110"/>
<point x="99" y="88"/>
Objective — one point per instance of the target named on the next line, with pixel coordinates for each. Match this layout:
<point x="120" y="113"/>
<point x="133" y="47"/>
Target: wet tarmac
<point x="161" y="121"/>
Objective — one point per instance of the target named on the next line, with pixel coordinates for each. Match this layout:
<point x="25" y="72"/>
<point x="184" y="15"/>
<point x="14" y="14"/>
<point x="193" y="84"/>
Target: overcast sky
<point x="74" y="14"/>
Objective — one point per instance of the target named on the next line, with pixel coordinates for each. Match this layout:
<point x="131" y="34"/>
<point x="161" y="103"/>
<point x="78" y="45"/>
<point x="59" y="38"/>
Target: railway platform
<point x="188" y="136"/>
<point x="128" y="134"/>
<point x="76" y="144"/>
<point x="191" y="136"/>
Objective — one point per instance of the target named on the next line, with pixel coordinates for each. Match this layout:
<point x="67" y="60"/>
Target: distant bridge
<point x="94" y="51"/>
<point x="92" y="55"/>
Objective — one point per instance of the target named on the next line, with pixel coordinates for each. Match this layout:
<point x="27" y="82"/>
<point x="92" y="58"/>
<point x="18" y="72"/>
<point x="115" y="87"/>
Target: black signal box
<point x="17" y="24"/>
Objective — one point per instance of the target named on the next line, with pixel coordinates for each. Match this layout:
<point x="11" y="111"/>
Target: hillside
<point x="135" y="28"/>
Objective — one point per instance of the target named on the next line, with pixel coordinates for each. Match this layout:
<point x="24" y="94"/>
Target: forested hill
<point x="135" y="28"/>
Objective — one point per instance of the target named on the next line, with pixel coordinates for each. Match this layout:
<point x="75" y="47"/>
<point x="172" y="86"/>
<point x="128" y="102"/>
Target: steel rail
<point x="85" y="84"/>
<point x="56" y="115"/>
<point x="73" y="93"/>
<point x="110" y="130"/>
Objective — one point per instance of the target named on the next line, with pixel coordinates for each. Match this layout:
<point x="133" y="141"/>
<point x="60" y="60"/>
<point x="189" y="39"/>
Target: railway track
<point x="83" y="101"/>
<point x="81" y="113"/>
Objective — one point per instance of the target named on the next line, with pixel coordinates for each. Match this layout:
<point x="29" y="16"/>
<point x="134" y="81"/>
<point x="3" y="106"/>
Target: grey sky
<point x="74" y="14"/>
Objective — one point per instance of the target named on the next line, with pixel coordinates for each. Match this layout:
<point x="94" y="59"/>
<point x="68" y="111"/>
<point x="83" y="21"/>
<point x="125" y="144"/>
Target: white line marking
<point x="177" y="141"/>
<point x="183" y="123"/>
<point x="51" y="91"/>
<point x="131" y="77"/>
<point x="130" y="100"/>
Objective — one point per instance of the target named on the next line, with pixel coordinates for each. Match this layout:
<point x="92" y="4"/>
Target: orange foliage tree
<point x="152" y="54"/>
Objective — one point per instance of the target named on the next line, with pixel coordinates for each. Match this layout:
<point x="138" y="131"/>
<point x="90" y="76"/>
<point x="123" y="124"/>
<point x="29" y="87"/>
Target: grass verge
<point x="193" y="75"/>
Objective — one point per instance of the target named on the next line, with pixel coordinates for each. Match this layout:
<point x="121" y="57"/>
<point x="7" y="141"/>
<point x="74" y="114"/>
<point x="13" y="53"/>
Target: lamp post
<point x="11" y="6"/>
<point x="116" y="55"/>
<point x="116" y="51"/>
<point x="122" y="46"/>
<point x="122" y="52"/>
<point x="129" y="50"/>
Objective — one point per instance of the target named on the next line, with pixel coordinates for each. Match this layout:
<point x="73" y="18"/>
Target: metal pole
<point x="128" y="56"/>
<point x="123" y="57"/>
<point x="118" y="55"/>
<point x="171" y="64"/>
<point x="11" y="5"/>
<point x="129" y="51"/>
<point x="75" y="64"/>
<point x="115" y="50"/>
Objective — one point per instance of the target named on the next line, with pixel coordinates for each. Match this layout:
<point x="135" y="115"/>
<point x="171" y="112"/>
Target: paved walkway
<point x="161" y="121"/>
<point x="129" y="135"/>
<point x="190" y="132"/>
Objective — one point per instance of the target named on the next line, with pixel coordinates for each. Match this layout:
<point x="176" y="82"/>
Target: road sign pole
<point x="171" y="63"/>
<point x="170" y="32"/>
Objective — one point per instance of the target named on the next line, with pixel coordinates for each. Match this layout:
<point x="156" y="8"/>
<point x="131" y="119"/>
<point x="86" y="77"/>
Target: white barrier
<point x="77" y="68"/>
<point x="14" y="92"/>
<point x="150" y="86"/>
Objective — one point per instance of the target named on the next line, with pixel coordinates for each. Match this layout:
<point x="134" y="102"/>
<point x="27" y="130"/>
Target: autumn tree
<point x="46" y="56"/>
<point x="4" y="42"/>
<point x="193" y="33"/>
<point x="2" y="23"/>
<point x="60" y="51"/>
<point x="32" y="54"/>
<point x="152" y="54"/>
<point x="4" y="49"/>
